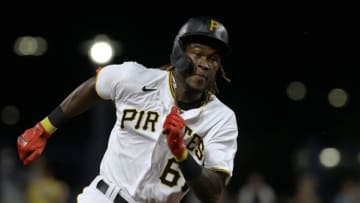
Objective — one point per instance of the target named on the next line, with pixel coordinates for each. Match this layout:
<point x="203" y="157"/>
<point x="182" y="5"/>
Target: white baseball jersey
<point x="137" y="158"/>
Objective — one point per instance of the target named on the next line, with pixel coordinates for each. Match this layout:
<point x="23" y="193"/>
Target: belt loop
<point x="109" y="191"/>
<point x="114" y="192"/>
<point x="97" y="180"/>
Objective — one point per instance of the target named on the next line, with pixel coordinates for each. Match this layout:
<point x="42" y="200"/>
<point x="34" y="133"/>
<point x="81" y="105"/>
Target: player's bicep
<point x="80" y="99"/>
<point x="222" y="176"/>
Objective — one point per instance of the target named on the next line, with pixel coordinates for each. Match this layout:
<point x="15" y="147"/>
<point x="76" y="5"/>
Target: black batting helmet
<point x="201" y="29"/>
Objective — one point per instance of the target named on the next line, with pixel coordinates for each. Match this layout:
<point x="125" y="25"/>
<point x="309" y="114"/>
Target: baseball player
<point x="171" y="135"/>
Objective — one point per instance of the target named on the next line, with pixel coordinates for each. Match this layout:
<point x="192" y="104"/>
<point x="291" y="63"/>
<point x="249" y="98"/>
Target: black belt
<point x="103" y="187"/>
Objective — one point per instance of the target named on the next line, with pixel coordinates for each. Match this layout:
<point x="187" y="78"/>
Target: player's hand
<point x="173" y="128"/>
<point x="31" y="143"/>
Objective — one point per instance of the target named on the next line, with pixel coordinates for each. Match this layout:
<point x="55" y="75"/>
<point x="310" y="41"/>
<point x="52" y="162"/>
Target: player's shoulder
<point x="125" y="64"/>
<point x="130" y="67"/>
<point x="133" y="72"/>
<point x="216" y="103"/>
<point x="220" y="114"/>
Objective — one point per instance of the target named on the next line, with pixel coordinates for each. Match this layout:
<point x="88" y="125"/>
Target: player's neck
<point x="191" y="105"/>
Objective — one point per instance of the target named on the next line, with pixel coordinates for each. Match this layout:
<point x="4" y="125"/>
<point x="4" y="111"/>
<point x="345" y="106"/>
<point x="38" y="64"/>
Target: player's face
<point x="206" y="62"/>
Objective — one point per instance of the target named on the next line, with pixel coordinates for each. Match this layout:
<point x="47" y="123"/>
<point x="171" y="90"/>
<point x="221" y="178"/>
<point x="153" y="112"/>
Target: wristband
<point x="183" y="156"/>
<point x="54" y="120"/>
<point x="48" y="126"/>
<point x="189" y="168"/>
<point x="57" y="117"/>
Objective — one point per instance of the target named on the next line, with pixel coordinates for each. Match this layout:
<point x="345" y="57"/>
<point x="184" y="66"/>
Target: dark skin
<point x="209" y="186"/>
<point x="191" y="85"/>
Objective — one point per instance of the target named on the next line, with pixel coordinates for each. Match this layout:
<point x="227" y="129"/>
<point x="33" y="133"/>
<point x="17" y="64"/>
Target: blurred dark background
<point x="273" y="44"/>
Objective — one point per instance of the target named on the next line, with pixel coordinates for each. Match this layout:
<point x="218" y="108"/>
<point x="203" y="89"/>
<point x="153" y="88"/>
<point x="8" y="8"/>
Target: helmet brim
<point x="208" y="40"/>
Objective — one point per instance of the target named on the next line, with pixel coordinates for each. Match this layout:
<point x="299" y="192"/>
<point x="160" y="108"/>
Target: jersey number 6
<point x="170" y="176"/>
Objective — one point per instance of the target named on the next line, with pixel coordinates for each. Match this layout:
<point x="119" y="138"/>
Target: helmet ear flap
<point x="178" y="57"/>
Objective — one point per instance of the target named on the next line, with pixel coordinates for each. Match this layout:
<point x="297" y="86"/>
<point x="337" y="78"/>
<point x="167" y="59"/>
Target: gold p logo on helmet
<point x="213" y="25"/>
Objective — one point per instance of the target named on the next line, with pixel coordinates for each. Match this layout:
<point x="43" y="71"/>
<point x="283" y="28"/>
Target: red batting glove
<point x="173" y="129"/>
<point x="31" y="143"/>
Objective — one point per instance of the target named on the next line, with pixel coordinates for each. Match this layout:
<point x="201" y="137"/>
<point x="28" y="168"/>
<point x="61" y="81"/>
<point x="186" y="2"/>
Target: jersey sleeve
<point x="221" y="147"/>
<point x="111" y="79"/>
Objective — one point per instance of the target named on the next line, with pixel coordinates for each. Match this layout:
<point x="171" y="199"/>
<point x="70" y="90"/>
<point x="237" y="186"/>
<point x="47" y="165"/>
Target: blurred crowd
<point x="256" y="189"/>
<point x="38" y="184"/>
<point x="33" y="184"/>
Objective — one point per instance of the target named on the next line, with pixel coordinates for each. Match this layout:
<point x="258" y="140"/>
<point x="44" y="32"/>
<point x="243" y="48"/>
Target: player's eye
<point x="215" y="58"/>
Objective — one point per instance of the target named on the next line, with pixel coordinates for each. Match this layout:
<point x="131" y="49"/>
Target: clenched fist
<point x="31" y="143"/>
<point x="173" y="128"/>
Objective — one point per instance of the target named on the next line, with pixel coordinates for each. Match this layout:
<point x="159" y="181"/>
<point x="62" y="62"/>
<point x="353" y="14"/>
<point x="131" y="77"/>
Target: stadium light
<point x="101" y="49"/>
<point x="101" y="52"/>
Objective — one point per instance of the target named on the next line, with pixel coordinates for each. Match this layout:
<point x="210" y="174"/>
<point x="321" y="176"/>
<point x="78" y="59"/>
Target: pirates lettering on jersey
<point x="195" y="144"/>
<point x="146" y="120"/>
<point x="140" y="119"/>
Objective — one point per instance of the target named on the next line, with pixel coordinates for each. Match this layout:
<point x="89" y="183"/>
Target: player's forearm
<point x="81" y="99"/>
<point x="208" y="187"/>
<point x="78" y="101"/>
